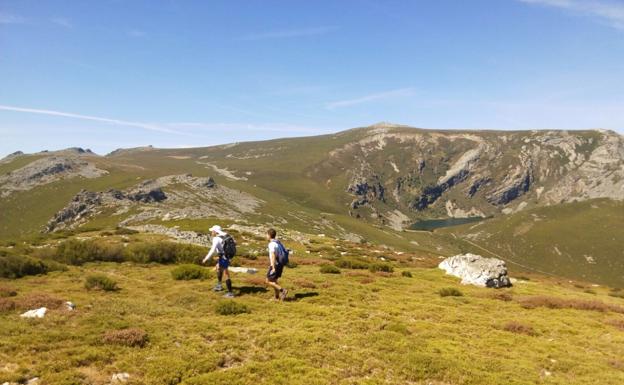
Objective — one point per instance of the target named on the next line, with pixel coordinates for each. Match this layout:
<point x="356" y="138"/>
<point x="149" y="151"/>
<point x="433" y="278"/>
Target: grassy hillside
<point x="348" y="328"/>
<point x="580" y="240"/>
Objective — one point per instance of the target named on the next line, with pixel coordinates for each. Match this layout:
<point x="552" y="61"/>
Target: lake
<point x="432" y="224"/>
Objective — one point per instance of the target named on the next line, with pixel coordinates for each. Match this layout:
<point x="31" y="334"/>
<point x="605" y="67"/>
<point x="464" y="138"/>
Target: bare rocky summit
<point x="47" y="170"/>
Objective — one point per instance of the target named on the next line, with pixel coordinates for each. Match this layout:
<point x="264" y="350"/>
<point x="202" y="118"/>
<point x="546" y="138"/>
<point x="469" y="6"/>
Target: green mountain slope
<point x="582" y="240"/>
<point x="365" y="184"/>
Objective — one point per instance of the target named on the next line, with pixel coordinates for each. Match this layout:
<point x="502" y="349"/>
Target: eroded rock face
<point x="476" y="270"/>
<point x="186" y="197"/>
<point x="483" y="173"/>
<point x="47" y="170"/>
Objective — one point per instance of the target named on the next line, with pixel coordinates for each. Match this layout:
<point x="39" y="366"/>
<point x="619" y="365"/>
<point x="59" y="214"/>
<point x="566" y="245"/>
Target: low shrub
<point x="6" y="291"/>
<point x="304" y="283"/>
<point x="406" y="273"/>
<point x="76" y="252"/>
<point x="187" y="272"/>
<point x="617" y="293"/>
<point x="165" y="252"/>
<point x="37" y="300"/>
<point x="231" y="308"/>
<point x="561" y="303"/>
<point x="133" y="337"/>
<point x="396" y="327"/>
<point x="17" y="266"/>
<point x="617" y="323"/>
<point x="7" y="304"/>
<point x="100" y="282"/>
<point x="502" y="296"/>
<point x="329" y="269"/>
<point x="519" y="328"/>
<point x="125" y="231"/>
<point x="292" y="264"/>
<point x="450" y="292"/>
<point x="380" y="267"/>
<point x="352" y="263"/>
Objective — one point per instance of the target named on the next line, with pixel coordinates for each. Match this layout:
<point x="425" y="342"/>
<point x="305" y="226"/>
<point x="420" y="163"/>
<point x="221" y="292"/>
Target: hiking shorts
<point x="274" y="275"/>
<point x="224" y="263"/>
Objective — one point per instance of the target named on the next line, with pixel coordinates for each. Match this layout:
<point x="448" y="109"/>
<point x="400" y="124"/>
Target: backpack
<point x="229" y="246"/>
<point x="282" y="253"/>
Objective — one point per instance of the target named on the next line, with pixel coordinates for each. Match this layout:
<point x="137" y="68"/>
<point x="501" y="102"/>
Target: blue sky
<point x="109" y="74"/>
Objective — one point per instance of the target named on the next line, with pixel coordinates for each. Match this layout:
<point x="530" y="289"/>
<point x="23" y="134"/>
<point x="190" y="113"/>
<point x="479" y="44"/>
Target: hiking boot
<point x="229" y="294"/>
<point x="217" y="287"/>
<point x="283" y="294"/>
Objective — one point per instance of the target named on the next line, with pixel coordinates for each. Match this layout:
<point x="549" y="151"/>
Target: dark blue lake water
<point x="432" y="224"/>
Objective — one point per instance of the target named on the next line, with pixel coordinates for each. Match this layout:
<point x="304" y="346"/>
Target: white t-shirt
<point x="273" y="248"/>
<point x="217" y="246"/>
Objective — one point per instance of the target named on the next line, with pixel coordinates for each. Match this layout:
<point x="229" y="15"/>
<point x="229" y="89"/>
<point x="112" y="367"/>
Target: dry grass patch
<point x="519" y="328"/>
<point x="304" y="283"/>
<point x="133" y="337"/>
<point x="501" y="296"/>
<point x="6" y="291"/>
<point x="6" y="304"/>
<point x="257" y="281"/>
<point x="617" y="323"/>
<point x="37" y="300"/>
<point x="561" y="303"/>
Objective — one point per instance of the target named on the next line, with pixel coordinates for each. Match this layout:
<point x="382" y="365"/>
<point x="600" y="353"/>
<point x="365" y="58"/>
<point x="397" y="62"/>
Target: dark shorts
<point x="274" y="275"/>
<point x="224" y="263"/>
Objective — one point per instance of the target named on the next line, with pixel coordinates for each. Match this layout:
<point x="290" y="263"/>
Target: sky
<point x="124" y="73"/>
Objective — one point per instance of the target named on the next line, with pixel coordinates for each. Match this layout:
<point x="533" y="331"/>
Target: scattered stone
<point x="120" y="378"/>
<point x="476" y="270"/>
<point x="35" y="313"/>
<point x="248" y="270"/>
<point x="70" y="306"/>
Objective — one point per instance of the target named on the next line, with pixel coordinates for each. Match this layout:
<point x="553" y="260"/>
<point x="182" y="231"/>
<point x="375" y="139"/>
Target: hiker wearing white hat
<point x="222" y="245"/>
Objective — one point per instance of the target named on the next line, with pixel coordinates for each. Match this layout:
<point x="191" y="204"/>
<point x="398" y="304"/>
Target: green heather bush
<point x="165" y="252"/>
<point x="406" y="273"/>
<point x="329" y="269"/>
<point x="76" y="252"/>
<point x="450" y="292"/>
<point x="125" y="231"/>
<point x="17" y="266"/>
<point x="100" y="282"/>
<point x="352" y="263"/>
<point x="380" y="266"/>
<point x="231" y="308"/>
<point x="187" y="272"/>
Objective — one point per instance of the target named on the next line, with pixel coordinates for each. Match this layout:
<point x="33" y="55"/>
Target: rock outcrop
<point x="47" y="170"/>
<point x="477" y="270"/>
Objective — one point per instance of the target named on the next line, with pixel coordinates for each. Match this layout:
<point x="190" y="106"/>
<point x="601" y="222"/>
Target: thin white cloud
<point x="264" y="127"/>
<point x="62" y="22"/>
<point x="401" y="92"/>
<point x="136" y="33"/>
<point x="609" y="12"/>
<point x="6" y="18"/>
<point x="289" y="33"/>
<point x="146" y="126"/>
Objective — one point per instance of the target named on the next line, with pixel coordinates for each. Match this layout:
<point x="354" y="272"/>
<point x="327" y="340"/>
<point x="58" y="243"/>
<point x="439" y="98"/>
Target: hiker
<point x="224" y="245"/>
<point x="278" y="258"/>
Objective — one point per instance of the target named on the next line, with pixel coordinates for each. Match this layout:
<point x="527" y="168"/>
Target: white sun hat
<point x="216" y="229"/>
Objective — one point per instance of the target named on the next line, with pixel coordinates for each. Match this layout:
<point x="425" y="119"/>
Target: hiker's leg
<point x="219" y="274"/>
<point x="228" y="281"/>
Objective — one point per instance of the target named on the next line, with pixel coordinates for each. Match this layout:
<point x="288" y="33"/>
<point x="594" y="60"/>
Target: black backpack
<point x="229" y="246"/>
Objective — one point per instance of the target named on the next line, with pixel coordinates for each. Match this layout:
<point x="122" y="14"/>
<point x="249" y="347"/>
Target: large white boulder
<point x="476" y="270"/>
<point x="35" y="313"/>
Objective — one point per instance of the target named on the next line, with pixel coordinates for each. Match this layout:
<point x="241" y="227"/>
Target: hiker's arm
<point x="272" y="259"/>
<point x="212" y="250"/>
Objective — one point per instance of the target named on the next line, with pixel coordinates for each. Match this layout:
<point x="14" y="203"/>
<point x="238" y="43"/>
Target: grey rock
<point x="476" y="270"/>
